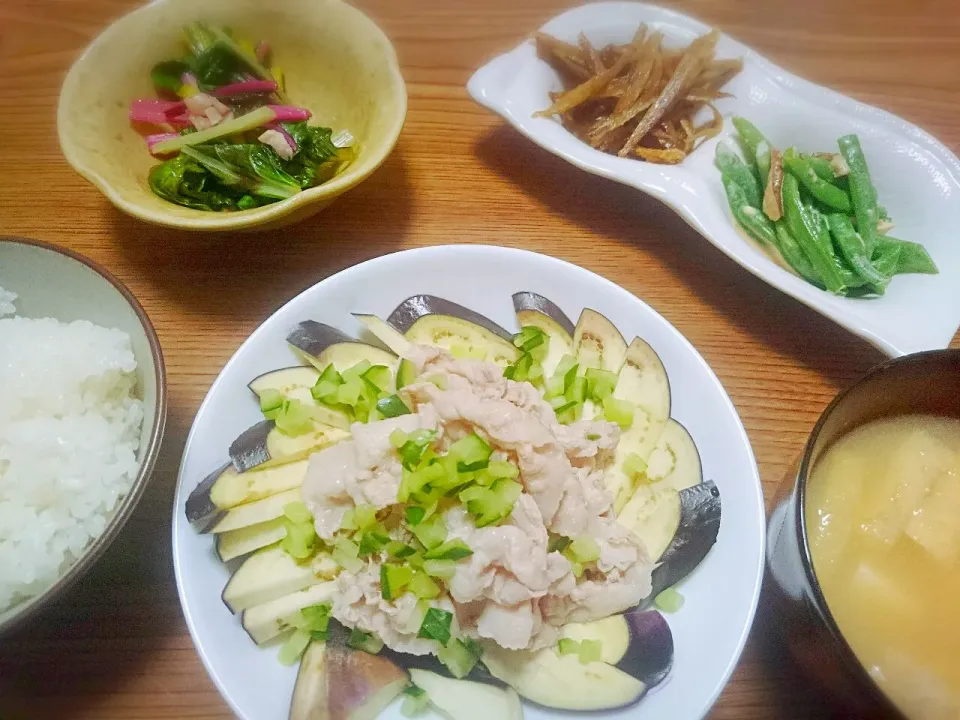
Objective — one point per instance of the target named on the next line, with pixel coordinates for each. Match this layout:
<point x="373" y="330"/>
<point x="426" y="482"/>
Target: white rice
<point x="69" y="431"/>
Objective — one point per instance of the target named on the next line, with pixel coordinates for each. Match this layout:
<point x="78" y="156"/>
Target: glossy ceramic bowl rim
<point x="236" y="220"/>
<point x="32" y="606"/>
<point x="806" y="464"/>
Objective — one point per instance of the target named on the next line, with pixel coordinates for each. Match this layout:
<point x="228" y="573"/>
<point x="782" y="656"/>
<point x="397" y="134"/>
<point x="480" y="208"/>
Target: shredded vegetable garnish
<point x="639" y="99"/>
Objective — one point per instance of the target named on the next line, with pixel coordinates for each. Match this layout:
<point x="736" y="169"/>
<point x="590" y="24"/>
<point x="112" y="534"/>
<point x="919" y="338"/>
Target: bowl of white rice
<point x="82" y="409"/>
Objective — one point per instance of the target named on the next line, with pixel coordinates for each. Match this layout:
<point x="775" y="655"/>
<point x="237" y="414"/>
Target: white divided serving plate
<point x="721" y="595"/>
<point x="917" y="177"/>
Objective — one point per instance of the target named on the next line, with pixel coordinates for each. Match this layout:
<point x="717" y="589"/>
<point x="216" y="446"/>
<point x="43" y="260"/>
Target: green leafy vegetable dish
<point x="817" y="214"/>
<point x="225" y="126"/>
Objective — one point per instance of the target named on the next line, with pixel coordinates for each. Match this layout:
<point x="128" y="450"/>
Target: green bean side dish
<point x="818" y="212"/>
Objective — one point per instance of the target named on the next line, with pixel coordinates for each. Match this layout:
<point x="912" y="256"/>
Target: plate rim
<point x="760" y="539"/>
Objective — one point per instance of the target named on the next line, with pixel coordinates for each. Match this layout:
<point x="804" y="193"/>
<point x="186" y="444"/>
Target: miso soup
<point x="883" y="520"/>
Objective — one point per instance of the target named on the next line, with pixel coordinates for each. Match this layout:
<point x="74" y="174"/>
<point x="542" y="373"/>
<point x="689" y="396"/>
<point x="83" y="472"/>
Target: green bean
<point x="750" y="139"/>
<point x="729" y="164"/>
<point x="831" y="196"/>
<point x="854" y="252"/>
<point x="792" y="252"/>
<point x="762" y="156"/>
<point x="886" y="259"/>
<point x="863" y="194"/>
<point x="821" y="166"/>
<point x="751" y="219"/>
<point x="804" y="224"/>
<point x="913" y="257"/>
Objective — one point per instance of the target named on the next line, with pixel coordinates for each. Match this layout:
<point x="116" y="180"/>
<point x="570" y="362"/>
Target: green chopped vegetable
<point x="863" y="194"/>
<point x="443" y="569"/>
<point x="411" y="452"/>
<point x="367" y="642"/>
<point x="294" y="647"/>
<point x="251" y="121"/>
<point x="392" y="406"/>
<point x="584" y="549"/>
<point x="431" y="533"/>
<point x="493" y="504"/>
<point x="460" y="656"/>
<point x="600" y="383"/>
<point x="397" y="549"/>
<point x="634" y="465"/>
<point x="423" y="586"/>
<point x="316" y="620"/>
<point x="471" y="453"/>
<point x="398" y="438"/>
<point x="300" y="539"/>
<point x="830" y="195"/>
<point x="618" y="411"/>
<point x="393" y="580"/>
<point x="372" y="542"/>
<point x="406" y="373"/>
<point x="298" y="512"/>
<point x="415" y="701"/>
<point x="913" y="257"/>
<point x="590" y="651"/>
<point x="568" y="646"/>
<point x="436" y="626"/>
<point x="455" y="549"/>
<point x="346" y="554"/>
<point x="668" y="600"/>
<point x="293" y="418"/>
<point x="270" y="400"/>
<point x="558" y="543"/>
<point x="502" y="469"/>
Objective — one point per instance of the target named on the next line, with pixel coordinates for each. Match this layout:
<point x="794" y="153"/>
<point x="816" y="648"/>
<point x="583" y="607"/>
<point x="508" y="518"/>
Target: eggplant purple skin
<point x="538" y="303"/>
<point x="418" y="306"/>
<point x="649" y="656"/>
<point x="250" y="449"/>
<point x="700" y="513"/>
<point x="314" y="337"/>
<point x="199" y="508"/>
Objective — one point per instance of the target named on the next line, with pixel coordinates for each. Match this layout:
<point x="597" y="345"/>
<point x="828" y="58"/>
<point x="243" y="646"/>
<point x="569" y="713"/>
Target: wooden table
<point x="117" y="646"/>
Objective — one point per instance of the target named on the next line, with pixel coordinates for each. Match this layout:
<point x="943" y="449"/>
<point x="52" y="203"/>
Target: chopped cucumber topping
<point x="293" y="418"/>
<point x="397" y="549"/>
<point x="455" y="549"/>
<point x="406" y="373"/>
<point x="380" y="376"/>
<point x="600" y="383"/>
<point x="297" y="512"/>
<point x="443" y="569"/>
<point x="300" y="539"/>
<point x="316" y="620"/>
<point x="436" y="625"/>
<point x="460" y="655"/>
<point x="368" y="642"/>
<point x="618" y="411"/>
<point x="431" y="533"/>
<point x="294" y="647"/>
<point x="584" y="549"/>
<point x="493" y="504"/>
<point x="558" y="543"/>
<point x="414" y="514"/>
<point x="423" y="586"/>
<point x="270" y="399"/>
<point x="471" y="453"/>
<point x="634" y="465"/>
<point x="567" y="646"/>
<point x="392" y="406"/>
<point x="590" y="651"/>
<point x="393" y="580"/>
<point x="502" y="469"/>
<point x="669" y="600"/>
<point x="372" y="542"/>
<point x="415" y="701"/>
<point x="398" y="438"/>
<point x="347" y="554"/>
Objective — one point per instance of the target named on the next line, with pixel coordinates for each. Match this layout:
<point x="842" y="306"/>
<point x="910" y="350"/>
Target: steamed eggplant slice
<point x="561" y="681"/>
<point x="385" y="333"/>
<point x="359" y="685"/>
<point x="699" y="525"/>
<point x="467" y="700"/>
<point x="312" y="341"/>
<point x="270" y="508"/>
<point x="285" y="380"/>
<point x="232" y="488"/>
<point x="675" y="461"/>
<point x="537" y="311"/>
<point x="649" y="655"/>
<point x="271" y="573"/>
<point x="413" y="309"/>
<point x="612" y="633"/>
<point x="525" y="304"/>
<point x="309" y="701"/>
<point x="237" y="543"/>
<point x="643" y="383"/>
<point x="266" y="621"/>
<point x="597" y="343"/>
<point x="200" y="507"/>
<point x="653" y="515"/>
<point x="263" y="445"/>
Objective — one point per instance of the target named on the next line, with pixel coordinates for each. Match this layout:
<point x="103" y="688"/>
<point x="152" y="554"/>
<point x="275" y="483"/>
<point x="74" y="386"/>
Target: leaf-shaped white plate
<point x="917" y="177"/>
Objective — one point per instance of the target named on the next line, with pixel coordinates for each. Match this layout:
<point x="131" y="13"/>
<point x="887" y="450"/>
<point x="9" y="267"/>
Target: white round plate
<point x="721" y="595"/>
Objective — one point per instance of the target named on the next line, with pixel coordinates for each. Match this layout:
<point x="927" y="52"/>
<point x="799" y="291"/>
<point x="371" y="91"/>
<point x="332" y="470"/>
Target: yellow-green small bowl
<point x="335" y="60"/>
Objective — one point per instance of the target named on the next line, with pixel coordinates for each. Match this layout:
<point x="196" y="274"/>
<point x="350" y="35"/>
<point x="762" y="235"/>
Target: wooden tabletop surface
<point x="117" y="647"/>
